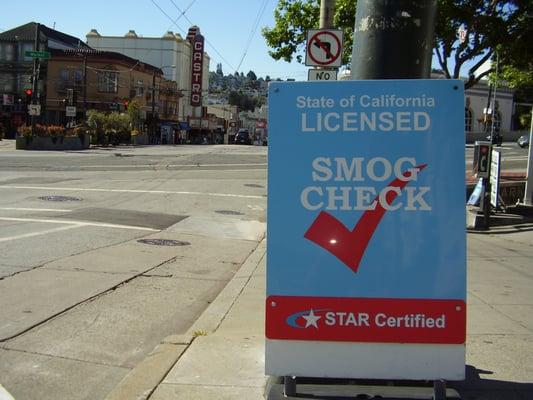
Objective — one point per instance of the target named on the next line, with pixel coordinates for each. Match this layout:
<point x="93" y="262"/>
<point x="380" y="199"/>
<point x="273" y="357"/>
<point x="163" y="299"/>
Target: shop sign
<point x="197" y="69"/>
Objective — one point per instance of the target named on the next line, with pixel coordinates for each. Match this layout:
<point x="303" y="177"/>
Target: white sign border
<point x="304" y="358"/>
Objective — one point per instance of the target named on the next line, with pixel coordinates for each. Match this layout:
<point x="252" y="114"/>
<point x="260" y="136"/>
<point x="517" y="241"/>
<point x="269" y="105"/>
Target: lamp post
<point x="152" y="121"/>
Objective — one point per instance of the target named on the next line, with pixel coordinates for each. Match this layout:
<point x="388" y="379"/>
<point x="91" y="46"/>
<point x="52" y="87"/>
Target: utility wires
<point x="188" y="20"/>
<point x="252" y="33"/>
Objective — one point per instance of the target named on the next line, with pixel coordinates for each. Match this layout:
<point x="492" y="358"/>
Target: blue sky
<point x="232" y="28"/>
<point x="226" y="25"/>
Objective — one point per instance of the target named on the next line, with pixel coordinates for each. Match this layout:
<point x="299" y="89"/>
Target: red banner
<point x="366" y="319"/>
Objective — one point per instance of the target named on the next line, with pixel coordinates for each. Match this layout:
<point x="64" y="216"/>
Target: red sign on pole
<point x="196" y="70"/>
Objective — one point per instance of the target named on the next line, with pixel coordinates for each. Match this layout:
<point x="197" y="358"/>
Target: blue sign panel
<point x="366" y="211"/>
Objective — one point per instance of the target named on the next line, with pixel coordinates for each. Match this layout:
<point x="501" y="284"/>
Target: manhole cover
<point x="228" y="212"/>
<point x="59" y="198"/>
<point x="163" y="242"/>
<point x="254" y="185"/>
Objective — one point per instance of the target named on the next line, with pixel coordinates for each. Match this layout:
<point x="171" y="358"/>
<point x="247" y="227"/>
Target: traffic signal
<point x="482" y="154"/>
<point x="126" y="103"/>
<point x="28" y="93"/>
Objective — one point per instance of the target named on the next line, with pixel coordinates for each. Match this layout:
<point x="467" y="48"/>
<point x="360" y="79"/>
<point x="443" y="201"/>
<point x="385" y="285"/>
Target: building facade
<point x="17" y="69"/>
<point x="171" y="52"/>
<point x="105" y="81"/>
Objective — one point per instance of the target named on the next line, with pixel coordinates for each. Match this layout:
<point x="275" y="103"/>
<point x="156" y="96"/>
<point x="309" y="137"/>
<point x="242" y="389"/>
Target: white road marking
<point x="35" y="209"/>
<point x="133" y="191"/>
<point x="159" y="165"/>
<point x="27" y="235"/>
<point x="78" y="223"/>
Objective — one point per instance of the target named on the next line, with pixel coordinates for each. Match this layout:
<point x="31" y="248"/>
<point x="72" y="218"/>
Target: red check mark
<point x="347" y="245"/>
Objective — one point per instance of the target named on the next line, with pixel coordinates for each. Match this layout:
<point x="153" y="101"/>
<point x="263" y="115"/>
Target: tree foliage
<point x="244" y="102"/>
<point x="490" y="25"/>
<point x="134" y="113"/>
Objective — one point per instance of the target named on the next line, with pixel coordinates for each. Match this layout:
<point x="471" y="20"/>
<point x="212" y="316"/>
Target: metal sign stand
<point x="289" y="388"/>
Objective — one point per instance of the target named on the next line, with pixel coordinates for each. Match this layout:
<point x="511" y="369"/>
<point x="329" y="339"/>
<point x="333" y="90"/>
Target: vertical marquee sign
<point x="197" y="61"/>
<point x="366" y="262"/>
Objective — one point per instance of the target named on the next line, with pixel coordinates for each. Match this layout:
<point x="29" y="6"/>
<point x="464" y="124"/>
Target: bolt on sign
<point x="197" y="69"/>
<point x="366" y="259"/>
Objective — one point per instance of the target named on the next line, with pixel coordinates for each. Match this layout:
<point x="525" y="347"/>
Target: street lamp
<point x="153" y="97"/>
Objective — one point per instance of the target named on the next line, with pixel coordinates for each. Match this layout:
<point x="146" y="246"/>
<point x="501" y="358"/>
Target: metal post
<point x="327" y="10"/>
<point x="152" y="120"/>
<point x="85" y="84"/>
<point x="485" y="204"/>
<point x="289" y="386"/>
<point x="393" y="39"/>
<point x="36" y="73"/>
<point x="493" y="104"/>
<point x="528" y="195"/>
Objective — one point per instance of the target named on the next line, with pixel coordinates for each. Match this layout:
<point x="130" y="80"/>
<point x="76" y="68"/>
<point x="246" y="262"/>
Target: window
<point x="139" y="88"/>
<point x="6" y="83"/>
<point x="64" y="75"/>
<point x="25" y="82"/>
<point x="7" y="52"/>
<point x="108" y="81"/>
<point x="26" y="47"/>
<point x="469" y="117"/>
<point x="63" y="81"/>
<point x="78" y="77"/>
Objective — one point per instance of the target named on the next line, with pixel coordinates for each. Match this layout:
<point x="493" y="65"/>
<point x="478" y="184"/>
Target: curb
<point x="141" y="381"/>
<point x="4" y="394"/>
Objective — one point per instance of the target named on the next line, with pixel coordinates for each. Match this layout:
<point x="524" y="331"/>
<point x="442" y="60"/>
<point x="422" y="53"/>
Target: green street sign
<point x="37" y="54"/>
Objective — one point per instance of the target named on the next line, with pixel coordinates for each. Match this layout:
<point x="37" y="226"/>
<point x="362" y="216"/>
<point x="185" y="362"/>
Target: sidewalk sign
<point x="366" y="252"/>
<point x="495" y="163"/>
<point x="474" y="198"/>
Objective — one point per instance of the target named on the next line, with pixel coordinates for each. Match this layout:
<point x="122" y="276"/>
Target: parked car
<point x="523" y="141"/>
<point x="243" y="137"/>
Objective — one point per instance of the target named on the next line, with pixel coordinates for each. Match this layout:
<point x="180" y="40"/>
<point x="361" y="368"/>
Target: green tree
<point x="134" y="113"/>
<point x="490" y="25"/>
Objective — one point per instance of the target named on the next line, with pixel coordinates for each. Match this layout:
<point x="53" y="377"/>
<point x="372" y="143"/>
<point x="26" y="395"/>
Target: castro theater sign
<point x="366" y="261"/>
<point x="197" y="61"/>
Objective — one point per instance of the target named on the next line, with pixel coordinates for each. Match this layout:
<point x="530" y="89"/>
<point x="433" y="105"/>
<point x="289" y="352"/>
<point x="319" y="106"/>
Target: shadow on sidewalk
<point x="474" y="387"/>
<point x="479" y="386"/>
<point x="514" y="219"/>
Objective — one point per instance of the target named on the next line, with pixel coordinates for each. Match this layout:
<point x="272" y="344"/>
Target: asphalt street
<point x="106" y="252"/>
<point x="514" y="158"/>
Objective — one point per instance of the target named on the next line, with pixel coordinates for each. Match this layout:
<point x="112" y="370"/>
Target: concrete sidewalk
<point x="7" y="144"/>
<point x="222" y="355"/>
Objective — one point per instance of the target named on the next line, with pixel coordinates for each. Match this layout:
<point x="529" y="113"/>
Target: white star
<point x="311" y="319"/>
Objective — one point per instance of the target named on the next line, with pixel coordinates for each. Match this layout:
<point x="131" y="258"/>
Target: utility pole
<point x="84" y="84"/>
<point x="152" y="120"/>
<point x="528" y="195"/>
<point x="393" y="39"/>
<point x="36" y="73"/>
<point x="327" y="11"/>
